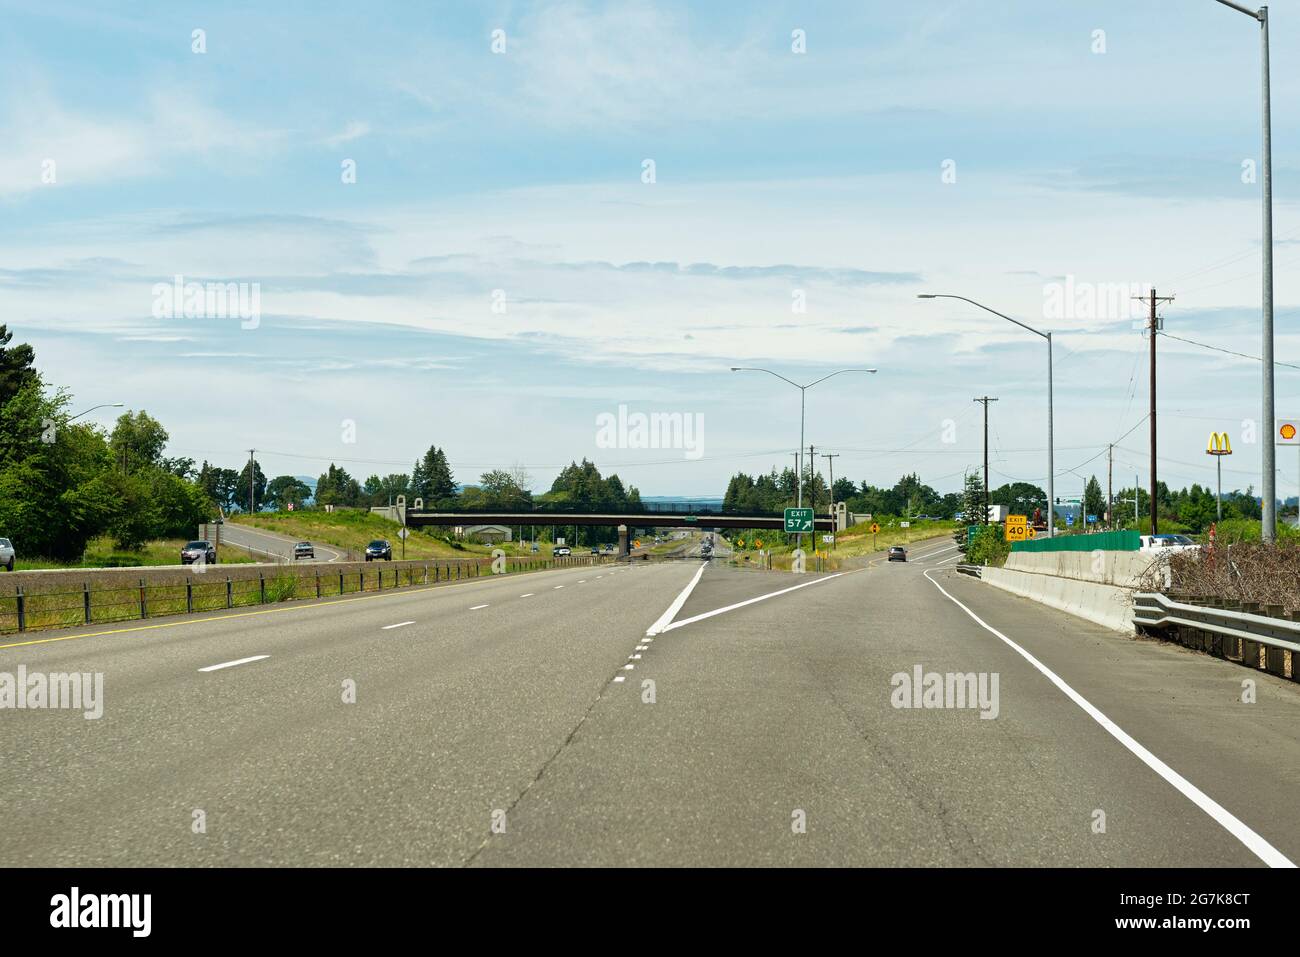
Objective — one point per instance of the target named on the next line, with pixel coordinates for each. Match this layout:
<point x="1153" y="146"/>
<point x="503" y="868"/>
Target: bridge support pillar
<point x="622" y="541"/>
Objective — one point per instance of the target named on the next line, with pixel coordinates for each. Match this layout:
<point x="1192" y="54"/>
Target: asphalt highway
<point x="270" y="545"/>
<point x="508" y="721"/>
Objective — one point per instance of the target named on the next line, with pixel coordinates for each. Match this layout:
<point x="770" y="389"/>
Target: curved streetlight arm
<point x="1253" y="14"/>
<point x="106" y="405"/>
<point x="796" y="384"/>
<point x="838" y="372"/>
<point x="1051" y="455"/>
<point x="769" y="372"/>
<point x="939" y="295"/>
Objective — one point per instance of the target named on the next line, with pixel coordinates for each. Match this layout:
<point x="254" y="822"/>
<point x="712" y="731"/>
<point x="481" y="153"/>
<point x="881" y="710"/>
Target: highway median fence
<point x="64" y="599"/>
<point x="1105" y="541"/>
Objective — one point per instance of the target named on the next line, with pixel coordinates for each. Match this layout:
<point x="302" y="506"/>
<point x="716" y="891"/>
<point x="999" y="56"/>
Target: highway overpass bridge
<point x="648" y="518"/>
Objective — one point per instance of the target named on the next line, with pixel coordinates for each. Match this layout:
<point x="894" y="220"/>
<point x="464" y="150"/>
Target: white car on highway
<point x="1168" y="544"/>
<point x="7" y="554"/>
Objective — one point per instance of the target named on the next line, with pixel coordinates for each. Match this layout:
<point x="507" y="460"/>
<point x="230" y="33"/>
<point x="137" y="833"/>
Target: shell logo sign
<point x="1288" y="432"/>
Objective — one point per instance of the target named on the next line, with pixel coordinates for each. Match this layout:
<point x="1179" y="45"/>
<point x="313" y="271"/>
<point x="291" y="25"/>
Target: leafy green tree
<point x="989" y="546"/>
<point x="184" y="467"/>
<point x="1020" y="497"/>
<point x="972" y="505"/>
<point x="239" y="495"/>
<point x="17" y="366"/>
<point x="1094" y="501"/>
<point x="49" y="503"/>
<point x="137" y="441"/>
<point x="431" y="479"/>
<point x="844" y="489"/>
<point x="285" y="490"/>
<point x="337" y="487"/>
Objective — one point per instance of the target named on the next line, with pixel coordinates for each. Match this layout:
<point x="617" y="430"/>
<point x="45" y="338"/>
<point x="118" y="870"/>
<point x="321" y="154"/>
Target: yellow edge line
<point x="249" y="614"/>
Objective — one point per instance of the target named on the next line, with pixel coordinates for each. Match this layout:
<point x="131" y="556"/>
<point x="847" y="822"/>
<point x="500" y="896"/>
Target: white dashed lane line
<point x="529" y="595"/>
<point x="400" y="624"/>
<point x="476" y="607"/>
<point x="231" y="664"/>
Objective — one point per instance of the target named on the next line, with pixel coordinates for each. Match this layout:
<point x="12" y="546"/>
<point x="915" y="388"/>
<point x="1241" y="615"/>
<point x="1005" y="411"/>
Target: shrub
<point x="281" y="588"/>
<point x="1244" y="572"/>
<point x="989" y="547"/>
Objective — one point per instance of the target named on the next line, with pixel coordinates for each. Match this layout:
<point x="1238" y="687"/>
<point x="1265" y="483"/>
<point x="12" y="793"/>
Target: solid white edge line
<point x="750" y="601"/>
<point x="1265" y="851"/>
<point x="661" y="624"/>
<point x="231" y="664"/>
<point x="400" y="624"/>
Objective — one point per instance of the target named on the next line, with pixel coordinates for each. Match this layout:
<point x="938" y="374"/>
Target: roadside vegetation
<point x="102" y="553"/>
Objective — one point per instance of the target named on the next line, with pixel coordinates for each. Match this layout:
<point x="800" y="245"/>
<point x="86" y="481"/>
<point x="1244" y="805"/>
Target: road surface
<point x="508" y="721"/>
<point x="272" y="546"/>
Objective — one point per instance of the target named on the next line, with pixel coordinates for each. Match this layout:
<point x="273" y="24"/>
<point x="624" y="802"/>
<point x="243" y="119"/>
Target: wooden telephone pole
<point x="1110" y="481"/>
<point x="830" y="458"/>
<point x="1154" y="325"/>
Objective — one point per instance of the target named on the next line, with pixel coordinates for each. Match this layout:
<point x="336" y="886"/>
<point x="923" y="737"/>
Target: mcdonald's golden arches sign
<point x="1218" y="444"/>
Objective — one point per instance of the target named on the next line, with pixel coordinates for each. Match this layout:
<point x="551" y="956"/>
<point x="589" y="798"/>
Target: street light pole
<point x="803" y="391"/>
<point x="1051" y="458"/>
<point x="106" y="405"/>
<point x="1268" y="525"/>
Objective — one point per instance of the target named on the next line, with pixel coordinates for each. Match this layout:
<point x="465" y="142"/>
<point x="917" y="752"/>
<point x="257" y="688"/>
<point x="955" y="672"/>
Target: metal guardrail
<point x="972" y="570"/>
<point x="1156" y="610"/>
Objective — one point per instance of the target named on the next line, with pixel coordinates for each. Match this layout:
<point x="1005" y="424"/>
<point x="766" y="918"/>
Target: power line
<point x="1240" y="355"/>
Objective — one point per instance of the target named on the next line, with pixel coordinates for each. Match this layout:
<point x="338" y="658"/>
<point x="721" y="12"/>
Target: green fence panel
<point x="1106" y="541"/>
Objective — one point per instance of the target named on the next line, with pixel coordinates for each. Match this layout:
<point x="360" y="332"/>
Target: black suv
<point x="378" y="549"/>
<point x="198" y="552"/>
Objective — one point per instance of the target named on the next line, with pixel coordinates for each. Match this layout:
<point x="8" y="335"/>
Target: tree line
<point x="64" y="482"/>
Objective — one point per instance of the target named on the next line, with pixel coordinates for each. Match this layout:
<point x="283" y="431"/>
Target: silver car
<point x="7" y="554"/>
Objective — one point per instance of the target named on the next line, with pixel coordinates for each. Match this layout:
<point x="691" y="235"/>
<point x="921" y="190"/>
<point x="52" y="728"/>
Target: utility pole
<point x="252" y="468"/>
<point x="1154" y="324"/>
<point x="812" y="486"/>
<point x="830" y="463"/>
<point x="986" y="400"/>
<point x="1110" y="477"/>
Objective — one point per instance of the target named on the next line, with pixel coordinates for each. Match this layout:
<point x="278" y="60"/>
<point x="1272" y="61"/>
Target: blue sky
<point x="778" y="176"/>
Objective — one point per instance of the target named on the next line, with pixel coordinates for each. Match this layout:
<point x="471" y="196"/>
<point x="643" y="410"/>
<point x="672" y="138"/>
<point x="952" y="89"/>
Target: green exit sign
<point x="689" y="518"/>
<point x="798" y="520"/>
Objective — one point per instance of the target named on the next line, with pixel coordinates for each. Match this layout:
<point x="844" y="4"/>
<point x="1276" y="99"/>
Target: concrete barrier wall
<point x="1124" y="569"/>
<point x="1108" y="605"/>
